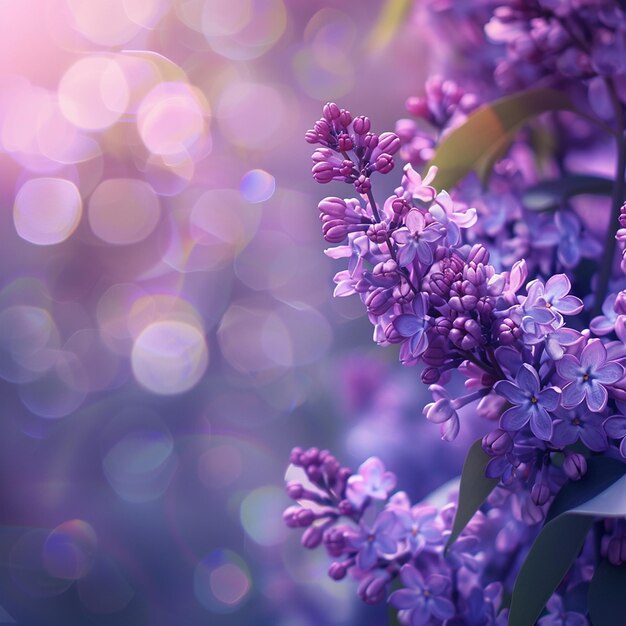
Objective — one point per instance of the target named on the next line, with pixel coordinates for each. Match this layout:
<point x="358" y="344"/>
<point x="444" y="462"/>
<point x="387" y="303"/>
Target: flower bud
<point x="430" y="375"/>
<point x="575" y="466"/>
<point x="334" y="542"/>
<point x="361" y="125"/>
<point x="331" y="111"/>
<point x="616" y="550"/>
<point x="540" y="493"/>
<point x="389" y="143"/>
<point x="294" y="490"/>
<point x="312" y="537"/>
<point x="372" y="588"/>
<point x="337" y="570"/>
<point x="497" y="442"/>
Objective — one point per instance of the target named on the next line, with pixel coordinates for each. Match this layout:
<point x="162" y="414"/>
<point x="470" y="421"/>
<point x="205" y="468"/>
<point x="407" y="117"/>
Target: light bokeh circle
<point x="47" y="210"/>
<point x="93" y="92"/>
<point x="169" y="357"/>
<point x="123" y="210"/>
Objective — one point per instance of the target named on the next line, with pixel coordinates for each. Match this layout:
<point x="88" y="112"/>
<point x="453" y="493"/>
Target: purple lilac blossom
<point x="530" y="403"/>
<point x="421" y="598"/>
<point x="587" y="378"/>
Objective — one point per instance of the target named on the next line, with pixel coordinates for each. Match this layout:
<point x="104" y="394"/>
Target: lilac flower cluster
<point x="477" y="283"/>
<point x="382" y="541"/>
<point x="565" y="41"/>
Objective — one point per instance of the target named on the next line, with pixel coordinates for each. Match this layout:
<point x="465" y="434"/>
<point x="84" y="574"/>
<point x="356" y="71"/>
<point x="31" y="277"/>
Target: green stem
<point x="606" y="267"/>
<point x="370" y="197"/>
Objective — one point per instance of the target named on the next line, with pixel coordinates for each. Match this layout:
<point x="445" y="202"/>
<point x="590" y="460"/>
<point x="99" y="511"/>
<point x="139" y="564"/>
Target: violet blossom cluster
<point x="395" y="550"/>
<point x="566" y="42"/>
<point x="476" y="282"/>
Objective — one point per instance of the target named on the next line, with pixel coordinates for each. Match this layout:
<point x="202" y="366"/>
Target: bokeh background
<point x="167" y="326"/>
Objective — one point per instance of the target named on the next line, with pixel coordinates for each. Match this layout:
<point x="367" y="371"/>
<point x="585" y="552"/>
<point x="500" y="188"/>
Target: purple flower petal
<point x="418" y="343"/>
<point x="420" y="615"/>
<point x="450" y="430"/>
<point x="402" y="235"/>
<point x="573" y="393"/>
<point x="515" y="418"/>
<point x="442" y="608"/>
<point x="541" y="423"/>
<point x="510" y="391"/>
<point x="407" y="254"/>
<point x="593" y="354"/>
<point x="415" y="221"/>
<point x="437" y="584"/>
<point x="411" y="578"/>
<point x="570" y="305"/>
<point x="541" y="314"/>
<point x="564" y="433"/>
<point x="597" y="396"/>
<point x="528" y="379"/>
<point x="568" y="367"/>
<point x="408" y="325"/>
<point x="548" y="398"/>
<point x="615" y="426"/>
<point x="594" y="438"/>
<point x="366" y="558"/>
<point x="609" y="373"/>
<point x="404" y="599"/>
<point x="424" y="253"/>
<point x="557" y="287"/>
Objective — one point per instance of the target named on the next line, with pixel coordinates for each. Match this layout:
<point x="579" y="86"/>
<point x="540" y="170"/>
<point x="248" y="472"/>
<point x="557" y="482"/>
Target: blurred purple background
<point x="167" y="331"/>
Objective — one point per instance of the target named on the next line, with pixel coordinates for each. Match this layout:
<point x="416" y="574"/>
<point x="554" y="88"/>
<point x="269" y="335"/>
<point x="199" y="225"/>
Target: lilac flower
<point x="417" y="238"/>
<point x="572" y="243"/>
<point x="421" y="599"/>
<point x="443" y="411"/>
<point x="417" y="187"/>
<point x="580" y="424"/>
<point x="545" y="305"/>
<point x="556" y="296"/>
<point x="452" y="216"/>
<point x="615" y="427"/>
<point x="371" y="481"/>
<point x="413" y="327"/>
<point x="531" y="403"/>
<point x="419" y="527"/>
<point x="373" y="542"/>
<point x="613" y="318"/>
<point x="588" y="376"/>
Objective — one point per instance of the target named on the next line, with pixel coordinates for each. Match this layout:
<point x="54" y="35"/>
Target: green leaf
<point x="550" y="556"/>
<point x="487" y="129"/>
<point x="389" y="21"/>
<point x="549" y="194"/>
<point x="473" y="490"/>
<point x="601" y="492"/>
<point x="606" y="599"/>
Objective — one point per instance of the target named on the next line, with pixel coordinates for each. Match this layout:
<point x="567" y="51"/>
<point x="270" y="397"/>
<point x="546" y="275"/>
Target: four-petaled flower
<point x="417" y="238"/>
<point x="370" y="543"/>
<point x="580" y="424"/>
<point x="588" y="376"/>
<point x="419" y="527"/>
<point x="371" y="481"/>
<point x="413" y="327"/>
<point x="531" y="403"/>
<point x="422" y="598"/>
